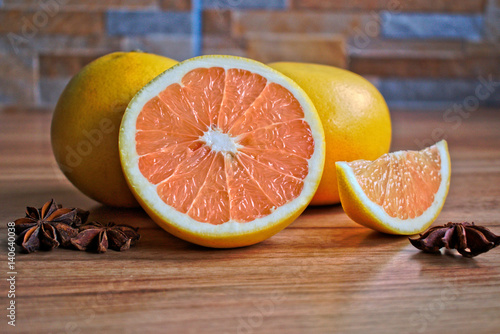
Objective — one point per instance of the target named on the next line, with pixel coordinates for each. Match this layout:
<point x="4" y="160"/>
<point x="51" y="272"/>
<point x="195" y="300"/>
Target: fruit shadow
<point x="131" y="216"/>
<point x="153" y="238"/>
<point x="369" y="238"/>
<point x="445" y="259"/>
<point x="345" y="233"/>
<point x="454" y="273"/>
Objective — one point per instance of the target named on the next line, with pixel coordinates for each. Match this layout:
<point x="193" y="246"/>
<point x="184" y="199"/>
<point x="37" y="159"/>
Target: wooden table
<point x="323" y="274"/>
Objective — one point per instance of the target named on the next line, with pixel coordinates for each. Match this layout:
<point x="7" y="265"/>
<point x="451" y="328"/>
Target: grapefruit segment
<point x="181" y="188"/>
<point x="278" y="187"/>
<point x="211" y="204"/>
<point x="248" y="201"/>
<point x="274" y="105"/>
<point x="283" y="162"/>
<point x="170" y="157"/>
<point x="204" y="87"/>
<point x="242" y="88"/>
<point x="155" y="140"/>
<point x="291" y="137"/>
<point x="157" y="116"/>
<point x="399" y="193"/>
<point x="178" y="103"/>
<point x="222" y="151"/>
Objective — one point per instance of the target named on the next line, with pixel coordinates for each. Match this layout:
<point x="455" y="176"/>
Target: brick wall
<point x="415" y="51"/>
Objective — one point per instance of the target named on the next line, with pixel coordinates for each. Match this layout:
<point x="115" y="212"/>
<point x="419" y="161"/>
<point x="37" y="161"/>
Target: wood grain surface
<point x="323" y="274"/>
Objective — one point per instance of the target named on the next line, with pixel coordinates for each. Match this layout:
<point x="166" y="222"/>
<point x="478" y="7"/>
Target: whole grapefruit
<point x="87" y="119"/>
<point x="354" y="115"/>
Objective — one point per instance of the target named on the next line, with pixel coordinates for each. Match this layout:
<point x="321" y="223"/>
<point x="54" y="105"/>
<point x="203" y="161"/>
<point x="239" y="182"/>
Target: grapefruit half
<point x="222" y="151"/>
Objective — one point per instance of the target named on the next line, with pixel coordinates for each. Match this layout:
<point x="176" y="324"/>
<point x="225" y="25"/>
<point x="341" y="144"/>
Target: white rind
<point x="405" y="225"/>
<point x="147" y="192"/>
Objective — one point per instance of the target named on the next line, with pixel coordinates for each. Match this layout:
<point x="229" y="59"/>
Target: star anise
<point x="48" y="227"/>
<point x="468" y="239"/>
<point x="99" y="237"/>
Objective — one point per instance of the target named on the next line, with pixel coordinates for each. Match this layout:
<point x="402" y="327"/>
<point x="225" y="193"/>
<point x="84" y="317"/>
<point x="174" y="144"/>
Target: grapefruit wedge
<point x="222" y="151"/>
<point x="399" y="193"/>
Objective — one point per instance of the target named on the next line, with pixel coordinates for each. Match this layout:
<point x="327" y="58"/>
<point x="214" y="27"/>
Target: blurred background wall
<point x="417" y="52"/>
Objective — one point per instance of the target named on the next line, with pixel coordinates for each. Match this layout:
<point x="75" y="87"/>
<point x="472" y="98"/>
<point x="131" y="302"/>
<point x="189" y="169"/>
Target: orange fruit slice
<point x="222" y="151"/>
<point x="399" y="193"/>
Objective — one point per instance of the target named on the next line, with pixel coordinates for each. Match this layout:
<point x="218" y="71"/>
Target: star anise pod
<point x="48" y="227"/>
<point x="99" y="237"/>
<point x="468" y="239"/>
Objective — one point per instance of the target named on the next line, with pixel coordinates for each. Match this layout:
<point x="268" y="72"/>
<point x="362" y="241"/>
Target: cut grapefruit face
<point x="399" y="193"/>
<point x="222" y="151"/>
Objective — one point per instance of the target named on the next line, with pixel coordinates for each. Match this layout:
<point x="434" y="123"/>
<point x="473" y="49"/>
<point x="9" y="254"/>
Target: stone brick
<point x="245" y="22"/>
<point x="482" y="49"/>
<point x="63" y="65"/>
<point x="492" y="22"/>
<point x="245" y="4"/>
<point x="51" y="89"/>
<point x="429" y="90"/>
<point x="226" y="52"/>
<point x="383" y="48"/>
<point x="432" y="26"/>
<point x="217" y="22"/>
<point x="225" y="45"/>
<point x="426" y="67"/>
<point x="322" y="49"/>
<point x="81" y="5"/>
<point x="456" y="6"/>
<point x="18" y="79"/>
<point x="29" y="24"/>
<point x="179" y="5"/>
<point x="219" y="41"/>
<point x="90" y="44"/>
<point x="177" y="47"/>
<point x="425" y="58"/>
<point x="123" y="23"/>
